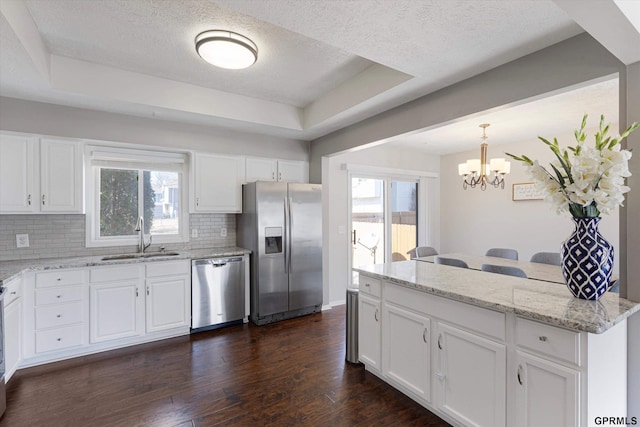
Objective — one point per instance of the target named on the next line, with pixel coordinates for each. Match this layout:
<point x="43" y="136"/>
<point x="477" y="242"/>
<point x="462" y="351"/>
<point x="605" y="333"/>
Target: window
<point x="128" y="184"/>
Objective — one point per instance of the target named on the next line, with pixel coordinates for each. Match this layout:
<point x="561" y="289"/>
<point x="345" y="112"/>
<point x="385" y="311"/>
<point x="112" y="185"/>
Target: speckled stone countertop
<point x="10" y="269"/>
<point x="546" y="302"/>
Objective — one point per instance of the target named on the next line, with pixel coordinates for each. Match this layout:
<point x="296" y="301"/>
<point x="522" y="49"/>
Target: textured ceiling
<point x="313" y="56"/>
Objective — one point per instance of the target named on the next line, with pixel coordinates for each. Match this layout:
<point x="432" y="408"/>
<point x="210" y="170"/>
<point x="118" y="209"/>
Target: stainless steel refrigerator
<point x="281" y="223"/>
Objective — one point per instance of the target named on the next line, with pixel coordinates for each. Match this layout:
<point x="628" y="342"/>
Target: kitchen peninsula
<point x="479" y="348"/>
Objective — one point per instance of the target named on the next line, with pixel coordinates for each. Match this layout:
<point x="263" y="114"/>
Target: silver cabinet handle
<point x="43" y="199"/>
<point x="440" y="341"/>
<point x="59" y="339"/>
<point x="197" y="201"/>
<point x="147" y="290"/>
<point x="136" y="292"/>
<point x="13" y="293"/>
<point x="58" y="316"/>
<point x="273" y="176"/>
<point x="375" y="315"/>
<point x="424" y="335"/>
<point x="542" y="338"/>
<point x="519" y="374"/>
<point x="29" y="200"/>
<point x="279" y="176"/>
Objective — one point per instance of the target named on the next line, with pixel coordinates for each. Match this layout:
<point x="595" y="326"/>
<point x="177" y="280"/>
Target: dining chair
<point x="503" y="253"/>
<point x="552" y="258"/>
<point x="504" y="269"/>
<point x="421" y="251"/>
<point x="454" y="262"/>
<point x="615" y="287"/>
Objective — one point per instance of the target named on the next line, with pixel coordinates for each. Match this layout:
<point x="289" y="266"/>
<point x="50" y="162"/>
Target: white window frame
<point x="108" y="157"/>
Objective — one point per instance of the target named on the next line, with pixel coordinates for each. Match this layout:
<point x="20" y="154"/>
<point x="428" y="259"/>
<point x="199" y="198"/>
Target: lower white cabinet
<point x="479" y="367"/>
<point x="369" y="338"/>
<point x="168" y="295"/>
<point x="117" y="311"/>
<point x="470" y="376"/>
<point x="546" y="393"/>
<point x="406" y="340"/>
<point x="72" y="312"/>
<point x="12" y="327"/>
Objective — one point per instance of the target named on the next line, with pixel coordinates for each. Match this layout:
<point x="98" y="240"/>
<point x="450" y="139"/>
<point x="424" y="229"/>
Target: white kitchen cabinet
<point x="369" y="339"/>
<point x="264" y="169"/>
<point x="60" y="176"/>
<point x="17" y="174"/>
<point x="406" y="340"/>
<point x="117" y="305"/>
<point x="168" y="299"/>
<point x="217" y="183"/>
<point x="40" y="175"/>
<point x="12" y="327"/>
<point x="471" y="381"/>
<point x="117" y="311"/>
<point x="546" y="393"/>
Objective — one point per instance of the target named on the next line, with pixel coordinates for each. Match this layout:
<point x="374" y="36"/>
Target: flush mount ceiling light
<point x="226" y="49"/>
<point x="478" y="171"/>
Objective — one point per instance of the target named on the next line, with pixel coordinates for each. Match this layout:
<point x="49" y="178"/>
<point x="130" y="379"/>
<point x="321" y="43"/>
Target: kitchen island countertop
<point x="10" y="269"/>
<point x="537" y="300"/>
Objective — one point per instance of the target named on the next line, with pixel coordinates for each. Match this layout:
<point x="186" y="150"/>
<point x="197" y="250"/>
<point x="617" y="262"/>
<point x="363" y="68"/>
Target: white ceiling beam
<point x="608" y="24"/>
<point x="20" y="20"/>
<point x="364" y="86"/>
<point x="101" y="81"/>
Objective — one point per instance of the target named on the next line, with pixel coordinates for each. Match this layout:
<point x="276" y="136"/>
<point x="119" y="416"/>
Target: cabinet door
<point x="12" y="337"/>
<point x="369" y="331"/>
<point x="16" y="174"/>
<point x="117" y="311"/>
<point x="261" y="169"/>
<point x="61" y="176"/>
<point x="546" y="393"/>
<point x="168" y="303"/>
<point x="292" y="171"/>
<point x="471" y="377"/>
<point x="407" y="356"/>
<point x="218" y="183"/>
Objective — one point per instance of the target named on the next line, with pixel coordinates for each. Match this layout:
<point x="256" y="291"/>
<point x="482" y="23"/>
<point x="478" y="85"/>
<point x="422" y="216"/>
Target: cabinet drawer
<point x="55" y="315"/>
<point x="168" y="268"/>
<point x="58" y="338"/>
<point x="58" y="295"/>
<point x="371" y="286"/>
<point x="114" y="274"/>
<point x="59" y="278"/>
<point x="13" y="291"/>
<point x="548" y="340"/>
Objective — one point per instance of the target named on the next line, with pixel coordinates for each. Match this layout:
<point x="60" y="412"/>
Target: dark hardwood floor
<point x="290" y="373"/>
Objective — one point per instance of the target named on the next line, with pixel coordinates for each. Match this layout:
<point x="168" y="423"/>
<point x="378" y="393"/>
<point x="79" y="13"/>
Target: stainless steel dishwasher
<point x="217" y="292"/>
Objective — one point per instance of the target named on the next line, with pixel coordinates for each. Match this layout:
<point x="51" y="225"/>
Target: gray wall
<point x="630" y="235"/>
<point x="48" y="119"/>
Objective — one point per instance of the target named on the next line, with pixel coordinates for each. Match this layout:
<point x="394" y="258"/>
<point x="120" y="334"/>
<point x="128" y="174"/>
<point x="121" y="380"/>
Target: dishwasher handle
<point x="216" y="262"/>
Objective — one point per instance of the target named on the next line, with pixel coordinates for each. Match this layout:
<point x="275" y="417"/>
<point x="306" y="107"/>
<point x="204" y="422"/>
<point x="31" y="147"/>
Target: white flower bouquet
<point x="586" y="181"/>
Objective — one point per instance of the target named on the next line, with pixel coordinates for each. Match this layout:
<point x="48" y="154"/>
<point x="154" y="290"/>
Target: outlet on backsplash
<point x="22" y="240"/>
<point x="223" y="232"/>
<point x="194" y="233"/>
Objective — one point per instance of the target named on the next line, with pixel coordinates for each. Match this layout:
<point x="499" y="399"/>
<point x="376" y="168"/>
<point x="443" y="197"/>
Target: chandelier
<point x="479" y="172"/>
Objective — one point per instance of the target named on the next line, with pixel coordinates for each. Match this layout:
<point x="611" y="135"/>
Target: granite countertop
<point x="546" y="302"/>
<point x="10" y="269"/>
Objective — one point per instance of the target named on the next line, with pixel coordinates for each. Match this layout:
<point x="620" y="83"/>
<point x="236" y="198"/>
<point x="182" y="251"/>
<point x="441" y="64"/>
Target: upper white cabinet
<point x="16" y="174"/>
<point x="60" y="176"/>
<point x="217" y="183"/>
<point x="40" y="175"/>
<point x="263" y="169"/>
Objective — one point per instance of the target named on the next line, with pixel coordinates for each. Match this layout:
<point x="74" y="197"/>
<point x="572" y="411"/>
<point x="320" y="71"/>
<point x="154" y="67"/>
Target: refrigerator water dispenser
<point x="272" y="240"/>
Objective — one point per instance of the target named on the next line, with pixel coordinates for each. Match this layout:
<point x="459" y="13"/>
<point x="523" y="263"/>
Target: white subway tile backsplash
<point x="54" y="236"/>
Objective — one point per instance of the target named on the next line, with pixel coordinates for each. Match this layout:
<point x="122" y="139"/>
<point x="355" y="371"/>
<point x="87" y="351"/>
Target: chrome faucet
<point x="140" y="229"/>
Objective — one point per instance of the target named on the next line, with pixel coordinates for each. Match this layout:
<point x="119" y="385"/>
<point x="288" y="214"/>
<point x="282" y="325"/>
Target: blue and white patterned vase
<point x="587" y="260"/>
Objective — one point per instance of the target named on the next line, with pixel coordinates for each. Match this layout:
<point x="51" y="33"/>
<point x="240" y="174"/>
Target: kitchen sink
<point x="135" y="256"/>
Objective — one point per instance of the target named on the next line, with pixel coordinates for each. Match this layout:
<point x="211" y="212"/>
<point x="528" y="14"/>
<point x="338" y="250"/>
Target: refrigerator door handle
<point x="290" y="243"/>
<point x="285" y="244"/>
